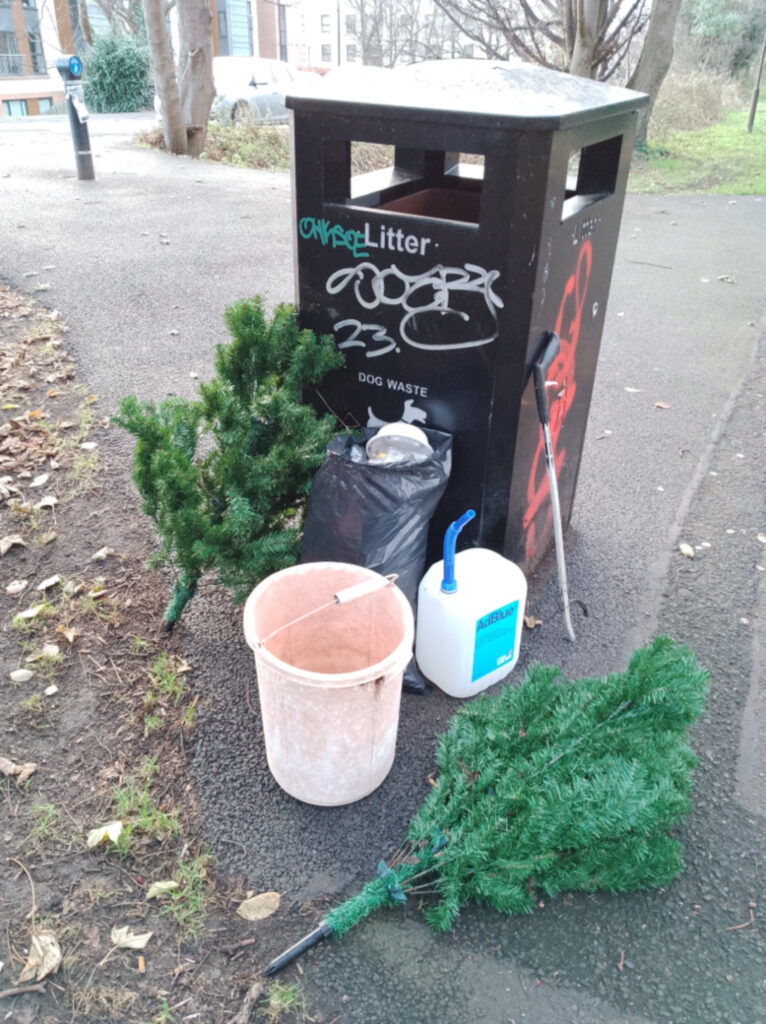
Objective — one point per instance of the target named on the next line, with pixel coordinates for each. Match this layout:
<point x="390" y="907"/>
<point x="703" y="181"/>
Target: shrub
<point x="118" y="78"/>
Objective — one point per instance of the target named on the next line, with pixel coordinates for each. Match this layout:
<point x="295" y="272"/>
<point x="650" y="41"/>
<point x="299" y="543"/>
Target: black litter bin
<point x="496" y="222"/>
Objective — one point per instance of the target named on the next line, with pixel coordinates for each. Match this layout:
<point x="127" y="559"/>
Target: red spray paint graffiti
<point x="562" y="371"/>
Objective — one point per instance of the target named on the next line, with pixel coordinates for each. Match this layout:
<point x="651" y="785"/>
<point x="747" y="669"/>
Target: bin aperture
<point x="438" y="273"/>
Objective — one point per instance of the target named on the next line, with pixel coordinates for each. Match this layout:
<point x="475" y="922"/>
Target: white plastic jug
<point x="470" y="617"/>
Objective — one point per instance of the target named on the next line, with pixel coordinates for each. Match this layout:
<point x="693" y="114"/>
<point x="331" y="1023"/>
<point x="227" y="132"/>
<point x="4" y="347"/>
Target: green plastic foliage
<point x="225" y="477"/>
<point x="554" y="786"/>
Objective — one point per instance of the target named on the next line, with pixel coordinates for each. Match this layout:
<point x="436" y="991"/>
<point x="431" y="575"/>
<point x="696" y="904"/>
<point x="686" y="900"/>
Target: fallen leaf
<point x="661" y="405"/>
<point x="125" y="938"/>
<point x="21" y="675"/>
<point x="47" y="538"/>
<point x="23" y="771"/>
<point x="50" y="582"/>
<point x="112" y="832"/>
<point x="762" y="538"/>
<point x="49" y="501"/>
<point x="686" y="549"/>
<point x="6" y="543"/>
<point x="69" y="633"/>
<point x="259" y="907"/>
<point x="46" y="651"/>
<point x="88" y="446"/>
<point x="531" y="622"/>
<point x="50" y="690"/>
<point x="16" y="587"/>
<point x="72" y="588"/>
<point x="102" y="554"/>
<point x="40" y="480"/>
<point x="726" y="279"/>
<point x="44" y="957"/>
<point x="632" y="391"/>
<point x="160" y="888"/>
<point x="31" y="612"/>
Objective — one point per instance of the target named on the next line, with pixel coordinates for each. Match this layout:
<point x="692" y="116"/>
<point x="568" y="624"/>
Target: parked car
<point x="253" y="88"/>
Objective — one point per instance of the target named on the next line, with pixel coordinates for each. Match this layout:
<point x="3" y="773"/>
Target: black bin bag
<point x="375" y="514"/>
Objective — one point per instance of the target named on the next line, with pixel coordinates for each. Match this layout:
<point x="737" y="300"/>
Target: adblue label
<point x="495" y="640"/>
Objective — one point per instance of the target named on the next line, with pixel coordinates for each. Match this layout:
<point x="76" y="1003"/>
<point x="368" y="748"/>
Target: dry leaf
<point x="46" y="651"/>
<point x="40" y="480"/>
<point x="21" y="675"/>
<point x="661" y="405"/>
<point x="47" y="538"/>
<point x="16" y="587"/>
<point x="761" y="537"/>
<point x="112" y="832"/>
<point x="49" y="501"/>
<point x="6" y="543"/>
<point x="70" y="635"/>
<point x="22" y="771"/>
<point x="102" y="554"/>
<point x="531" y="622"/>
<point x="32" y="612"/>
<point x="44" y="958"/>
<point x="632" y="391"/>
<point x="50" y="582"/>
<point x="50" y="690"/>
<point x="89" y="446"/>
<point x="160" y="888"/>
<point x="125" y="938"/>
<point x="259" y="907"/>
<point x="686" y="549"/>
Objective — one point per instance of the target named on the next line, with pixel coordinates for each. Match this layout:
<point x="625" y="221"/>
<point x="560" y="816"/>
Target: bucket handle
<point x="345" y="596"/>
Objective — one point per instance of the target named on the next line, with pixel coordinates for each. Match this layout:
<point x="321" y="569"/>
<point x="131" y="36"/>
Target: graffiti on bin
<point x="336" y="235"/>
<point x="568" y="323"/>
<point x="463" y="293"/>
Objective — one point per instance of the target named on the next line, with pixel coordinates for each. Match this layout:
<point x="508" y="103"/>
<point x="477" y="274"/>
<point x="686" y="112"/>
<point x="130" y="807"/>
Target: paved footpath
<point x="141" y="263"/>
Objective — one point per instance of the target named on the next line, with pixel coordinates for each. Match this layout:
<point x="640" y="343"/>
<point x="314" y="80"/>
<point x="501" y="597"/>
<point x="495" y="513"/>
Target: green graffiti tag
<point x="332" y="234"/>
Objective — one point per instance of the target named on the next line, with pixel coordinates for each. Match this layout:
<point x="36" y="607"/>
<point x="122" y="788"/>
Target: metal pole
<point x="81" y="140"/>
<point x="754" y="102"/>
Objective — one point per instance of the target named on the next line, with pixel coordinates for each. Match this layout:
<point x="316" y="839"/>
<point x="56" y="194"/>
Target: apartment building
<point x="30" y="44"/>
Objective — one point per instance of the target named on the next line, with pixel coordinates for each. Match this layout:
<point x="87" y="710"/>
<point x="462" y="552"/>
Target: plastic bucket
<point x="329" y="685"/>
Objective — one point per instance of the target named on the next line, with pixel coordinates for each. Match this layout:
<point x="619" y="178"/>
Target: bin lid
<point x="493" y="93"/>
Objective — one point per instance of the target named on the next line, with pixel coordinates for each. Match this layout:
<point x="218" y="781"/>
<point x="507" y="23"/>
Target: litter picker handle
<point x="324" y="931"/>
<point x="549" y="350"/>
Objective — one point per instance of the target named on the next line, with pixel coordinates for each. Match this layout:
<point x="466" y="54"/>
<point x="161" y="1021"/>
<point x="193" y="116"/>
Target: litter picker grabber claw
<point x="549" y="351"/>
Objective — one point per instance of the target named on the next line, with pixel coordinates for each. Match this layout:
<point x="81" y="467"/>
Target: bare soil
<point x="98" y="733"/>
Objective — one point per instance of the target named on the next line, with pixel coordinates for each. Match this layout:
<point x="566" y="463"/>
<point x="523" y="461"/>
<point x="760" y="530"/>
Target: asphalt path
<point x="142" y="262"/>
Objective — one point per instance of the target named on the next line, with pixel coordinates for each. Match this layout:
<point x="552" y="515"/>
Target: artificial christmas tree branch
<point x="549" y="786"/>
<point x="225" y="477"/>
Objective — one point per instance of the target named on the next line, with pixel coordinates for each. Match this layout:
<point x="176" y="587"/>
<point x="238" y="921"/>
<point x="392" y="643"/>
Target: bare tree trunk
<point x="164" y="72"/>
<point x="85" y="25"/>
<point x="195" y="70"/>
<point x="655" y="59"/>
<point x="587" y="34"/>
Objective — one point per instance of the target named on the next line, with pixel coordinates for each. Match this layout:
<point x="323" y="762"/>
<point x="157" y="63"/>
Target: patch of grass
<point x="165" y="680"/>
<point x="134" y="805"/>
<point x="721" y="158"/>
<point x="282" y="997"/>
<point x="186" y="904"/>
<point x="46" y="821"/>
<point x="34" y="705"/>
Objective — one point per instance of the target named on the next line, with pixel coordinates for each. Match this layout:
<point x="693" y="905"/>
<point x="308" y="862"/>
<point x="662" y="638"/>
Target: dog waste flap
<point x="496" y="221"/>
<point x="329" y="677"/>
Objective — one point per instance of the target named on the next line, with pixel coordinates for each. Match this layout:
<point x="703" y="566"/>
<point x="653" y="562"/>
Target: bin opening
<point x="591" y="175"/>
<point x="423" y="183"/>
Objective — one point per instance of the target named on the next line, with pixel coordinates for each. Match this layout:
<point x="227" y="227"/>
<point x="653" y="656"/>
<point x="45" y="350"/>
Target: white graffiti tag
<point x="440" y="290"/>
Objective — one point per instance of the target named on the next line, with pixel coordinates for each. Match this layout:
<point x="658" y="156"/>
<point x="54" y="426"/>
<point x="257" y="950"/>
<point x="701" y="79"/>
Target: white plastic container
<point x="469" y="638"/>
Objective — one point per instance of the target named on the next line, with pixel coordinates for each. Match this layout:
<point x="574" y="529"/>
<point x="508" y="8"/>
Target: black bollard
<point x="70" y="69"/>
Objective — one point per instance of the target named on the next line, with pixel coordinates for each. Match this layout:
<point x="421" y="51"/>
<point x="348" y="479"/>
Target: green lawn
<point x="723" y="158"/>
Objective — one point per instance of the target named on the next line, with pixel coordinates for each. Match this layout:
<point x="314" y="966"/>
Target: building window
<point x="36" y="51"/>
<point x="350" y="24"/>
<point x="11" y="61"/>
<point x="326" y="26"/>
<point x="326" y="53"/>
<point x="282" y="32"/>
<point x="350" y="52"/>
<point x="15" y="108"/>
<point x="45" y="103"/>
